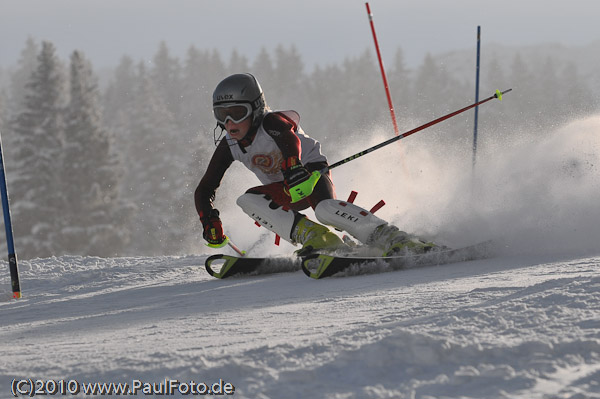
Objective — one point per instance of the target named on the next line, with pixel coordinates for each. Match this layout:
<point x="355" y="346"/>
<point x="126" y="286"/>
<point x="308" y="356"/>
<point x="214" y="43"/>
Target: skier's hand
<point x="213" y="229"/>
<point x="294" y="172"/>
<point x="299" y="182"/>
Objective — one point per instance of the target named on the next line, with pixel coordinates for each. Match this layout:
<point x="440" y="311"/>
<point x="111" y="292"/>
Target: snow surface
<point x="523" y="324"/>
<point x="508" y="327"/>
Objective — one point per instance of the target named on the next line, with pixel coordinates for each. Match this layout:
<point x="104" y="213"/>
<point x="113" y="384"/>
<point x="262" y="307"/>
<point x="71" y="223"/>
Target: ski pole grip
<point x="304" y="189"/>
<point x="221" y="245"/>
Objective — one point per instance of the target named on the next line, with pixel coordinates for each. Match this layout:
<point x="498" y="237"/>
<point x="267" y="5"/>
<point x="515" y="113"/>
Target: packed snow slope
<point x="509" y="327"/>
<point x="522" y="324"/>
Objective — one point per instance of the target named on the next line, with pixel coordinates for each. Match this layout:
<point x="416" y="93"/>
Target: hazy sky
<point x="323" y="31"/>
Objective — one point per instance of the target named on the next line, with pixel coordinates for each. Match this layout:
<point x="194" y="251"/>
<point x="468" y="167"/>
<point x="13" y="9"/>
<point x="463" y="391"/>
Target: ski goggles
<point x="233" y="112"/>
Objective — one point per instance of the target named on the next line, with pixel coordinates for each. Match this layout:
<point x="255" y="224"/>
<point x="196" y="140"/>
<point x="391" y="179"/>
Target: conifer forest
<point x="105" y="163"/>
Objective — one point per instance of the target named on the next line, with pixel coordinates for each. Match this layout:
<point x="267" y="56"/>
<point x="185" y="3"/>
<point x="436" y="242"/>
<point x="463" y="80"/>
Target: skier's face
<point x="239" y="130"/>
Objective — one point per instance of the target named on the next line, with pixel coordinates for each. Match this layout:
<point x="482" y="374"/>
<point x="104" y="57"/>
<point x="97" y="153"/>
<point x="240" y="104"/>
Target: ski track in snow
<point x="507" y="327"/>
<point x="523" y="325"/>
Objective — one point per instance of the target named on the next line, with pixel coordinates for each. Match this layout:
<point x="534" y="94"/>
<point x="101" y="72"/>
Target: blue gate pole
<point x="476" y="96"/>
<point x="12" y="256"/>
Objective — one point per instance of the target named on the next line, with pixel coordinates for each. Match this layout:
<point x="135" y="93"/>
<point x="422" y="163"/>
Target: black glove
<point x="294" y="172"/>
<point x="213" y="228"/>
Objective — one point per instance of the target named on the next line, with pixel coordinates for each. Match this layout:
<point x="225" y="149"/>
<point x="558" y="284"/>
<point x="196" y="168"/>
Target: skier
<point x="273" y="146"/>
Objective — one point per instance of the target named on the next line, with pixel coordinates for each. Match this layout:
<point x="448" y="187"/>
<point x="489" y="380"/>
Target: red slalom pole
<point x="236" y="249"/>
<point x="385" y="82"/>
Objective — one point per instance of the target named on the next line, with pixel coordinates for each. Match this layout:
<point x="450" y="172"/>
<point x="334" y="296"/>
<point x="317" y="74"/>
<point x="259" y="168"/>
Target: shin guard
<point x="268" y="214"/>
<point x="348" y="217"/>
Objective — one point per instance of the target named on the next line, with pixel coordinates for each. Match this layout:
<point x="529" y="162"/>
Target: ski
<point x="223" y="266"/>
<point x="319" y="266"/>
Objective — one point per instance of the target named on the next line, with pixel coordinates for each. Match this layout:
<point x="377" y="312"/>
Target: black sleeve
<point x="205" y="192"/>
<point x="283" y="131"/>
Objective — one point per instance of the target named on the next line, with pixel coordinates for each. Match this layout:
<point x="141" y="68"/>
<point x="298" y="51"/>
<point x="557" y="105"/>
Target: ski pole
<point x="299" y="192"/>
<point x="227" y="241"/>
<point x="236" y="249"/>
<point x="497" y="95"/>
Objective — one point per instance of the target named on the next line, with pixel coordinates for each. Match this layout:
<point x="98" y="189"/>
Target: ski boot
<point x="314" y="237"/>
<point x="395" y="242"/>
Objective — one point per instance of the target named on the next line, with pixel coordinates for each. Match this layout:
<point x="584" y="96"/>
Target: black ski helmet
<point x="242" y="88"/>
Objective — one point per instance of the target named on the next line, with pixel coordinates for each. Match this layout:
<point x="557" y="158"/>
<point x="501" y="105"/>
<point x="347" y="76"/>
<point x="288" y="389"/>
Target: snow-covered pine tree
<point x="3" y="110"/>
<point x="522" y="80"/>
<point x="263" y="69"/>
<point x="178" y="88"/>
<point x="428" y="89"/>
<point x="286" y="81"/>
<point x="95" y="220"/>
<point x="202" y="71"/>
<point x="325" y="82"/>
<point x="238" y="63"/>
<point x="578" y="98"/>
<point x="19" y="78"/>
<point x="15" y="95"/>
<point x="166" y="78"/>
<point x="119" y="95"/>
<point x="399" y="81"/>
<point x="153" y="167"/>
<point x="37" y="201"/>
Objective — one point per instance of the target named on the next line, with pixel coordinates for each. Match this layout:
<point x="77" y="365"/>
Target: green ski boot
<point x="314" y="237"/>
<point x="396" y="242"/>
